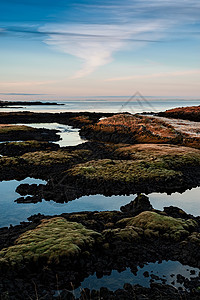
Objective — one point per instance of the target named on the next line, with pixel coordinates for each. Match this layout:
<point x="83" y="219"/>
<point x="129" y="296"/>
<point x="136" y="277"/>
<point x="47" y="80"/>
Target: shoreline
<point x="109" y="240"/>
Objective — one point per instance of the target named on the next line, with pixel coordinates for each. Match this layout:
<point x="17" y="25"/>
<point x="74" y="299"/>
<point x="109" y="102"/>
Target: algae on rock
<point x="159" y="225"/>
<point x="51" y="240"/>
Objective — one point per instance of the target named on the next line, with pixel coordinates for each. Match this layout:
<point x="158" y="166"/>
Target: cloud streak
<point x="107" y="27"/>
<point x="21" y="94"/>
<point x="96" y="44"/>
<point x="27" y="83"/>
<point x="134" y="24"/>
<point x="157" y="75"/>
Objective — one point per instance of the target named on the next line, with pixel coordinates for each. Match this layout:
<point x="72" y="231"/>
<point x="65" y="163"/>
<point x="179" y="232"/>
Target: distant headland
<point x="25" y="103"/>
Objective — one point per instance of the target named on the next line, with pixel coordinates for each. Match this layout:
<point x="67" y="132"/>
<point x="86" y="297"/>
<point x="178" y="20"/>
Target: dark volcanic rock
<point x="141" y="203"/>
<point x="25" y="103"/>
<point x="176" y="212"/>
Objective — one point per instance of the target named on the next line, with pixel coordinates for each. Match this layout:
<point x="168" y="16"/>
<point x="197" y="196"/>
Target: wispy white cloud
<point x="157" y="75"/>
<point x="26" y="83"/>
<point x="96" y="44"/>
<point x="124" y="24"/>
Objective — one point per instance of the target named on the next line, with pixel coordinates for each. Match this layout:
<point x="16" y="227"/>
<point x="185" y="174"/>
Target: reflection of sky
<point x="69" y="136"/>
<point x="188" y="201"/>
<point x="13" y="213"/>
<point x="116" y="280"/>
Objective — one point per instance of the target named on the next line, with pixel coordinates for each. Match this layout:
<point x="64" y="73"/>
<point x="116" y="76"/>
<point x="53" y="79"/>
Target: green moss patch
<point x="122" y="170"/>
<point x="128" y="234"/>
<point x="46" y="158"/>
<point x="157" y="225"/>
<point x="140" y="162"/>
<point x="49" y="241"/>
<point x="10" y="128"/>
<point x="19" y="148"/>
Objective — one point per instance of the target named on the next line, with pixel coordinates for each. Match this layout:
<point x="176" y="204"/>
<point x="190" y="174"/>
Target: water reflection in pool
<point x="167" y="270"/>
<point x="13" y="213"/>
<point x="69" y="136"/>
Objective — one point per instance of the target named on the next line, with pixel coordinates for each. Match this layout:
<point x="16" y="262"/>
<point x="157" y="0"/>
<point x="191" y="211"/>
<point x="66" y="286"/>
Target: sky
<point x="71" y="48"/>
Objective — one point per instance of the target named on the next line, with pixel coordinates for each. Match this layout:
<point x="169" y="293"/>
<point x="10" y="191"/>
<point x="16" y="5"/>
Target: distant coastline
<point x="25" y="103"/>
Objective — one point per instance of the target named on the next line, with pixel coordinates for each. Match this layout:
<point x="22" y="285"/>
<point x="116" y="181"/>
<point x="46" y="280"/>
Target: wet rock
<point x="65" y="295"/>
<point x="180" y="278"/>
<point x="176" y="212"/>
<point x="29" y="199"/>
<point x="139" y="204"/>
<point x="155" y="277"/>
<point x="146" y="274"/>
<point x="27" y="189"/>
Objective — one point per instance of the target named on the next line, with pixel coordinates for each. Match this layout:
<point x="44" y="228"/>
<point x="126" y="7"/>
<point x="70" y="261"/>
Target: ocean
<point x="114" y="104"/>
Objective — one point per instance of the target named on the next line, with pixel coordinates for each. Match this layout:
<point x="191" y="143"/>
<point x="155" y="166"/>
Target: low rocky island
<point x="48" y="256"/>
<point x="191" y="113"/>
<point x="25" y="103"/>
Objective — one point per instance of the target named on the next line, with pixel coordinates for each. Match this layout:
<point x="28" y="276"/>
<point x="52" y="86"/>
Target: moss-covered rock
<point x="54" y="157"/>
<point x="128" y="234"/>
<point x="49" y="242"/>
<point x="42" y="164"/>
<point x="19" y="148"/>
<point x="16" y="128"/>
<point x="131" y="129"/>
<point x="140" y="166"/>
<point x="187" y="113"/>
<point x="159" y="225"/>
<point x="152" y="151"/>
<point x="122" y="170"/>
<point x="24" y="133"/>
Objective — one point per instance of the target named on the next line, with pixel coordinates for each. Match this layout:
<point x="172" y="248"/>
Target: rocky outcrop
<point x="141" y="203"/>
<point x="191" y="113"/>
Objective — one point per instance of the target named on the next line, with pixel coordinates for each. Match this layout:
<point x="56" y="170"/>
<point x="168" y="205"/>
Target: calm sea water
<point x="111" y="104"/>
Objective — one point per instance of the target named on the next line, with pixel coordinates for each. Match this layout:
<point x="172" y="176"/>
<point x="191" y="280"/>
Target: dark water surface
<point x="163" y="270"/>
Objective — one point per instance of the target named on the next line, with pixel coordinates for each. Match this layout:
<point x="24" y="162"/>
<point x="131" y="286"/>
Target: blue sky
<point x="82" y="48"/>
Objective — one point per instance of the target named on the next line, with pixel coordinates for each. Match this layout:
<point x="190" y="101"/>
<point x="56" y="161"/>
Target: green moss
<point x="155" y="224"/>
<point x="195" y="238"/>
<point x="127" y="234"/>
<point x="140" y="162"/>
<point x="51" y="240"/>
<point x="122" y="170"/>
<point x="10" y="128"/>
<point x="31" y="144"/>
<point x="8" y="162"/>
<point x="46" y="158"/>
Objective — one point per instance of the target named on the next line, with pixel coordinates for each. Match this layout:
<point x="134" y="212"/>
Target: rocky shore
<point x="108" y="169"/>
<point x="98" y="242"/>
<point x="76" y="119"/>
<point x="48" y="256"/>
<point x="191" y="113"/>
<point x="24" y="133"/>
